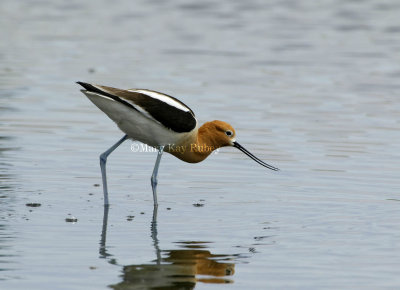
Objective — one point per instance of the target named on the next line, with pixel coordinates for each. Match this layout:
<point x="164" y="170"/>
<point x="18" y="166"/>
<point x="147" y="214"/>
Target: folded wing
<point x="166" y="110"/>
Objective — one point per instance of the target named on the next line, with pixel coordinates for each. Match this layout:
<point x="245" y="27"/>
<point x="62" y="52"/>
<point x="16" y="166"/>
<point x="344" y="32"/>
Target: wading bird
<point x="163" y="122"/>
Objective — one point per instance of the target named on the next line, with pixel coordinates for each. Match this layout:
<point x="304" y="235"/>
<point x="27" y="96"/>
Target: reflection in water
<point x="172" y="269"/>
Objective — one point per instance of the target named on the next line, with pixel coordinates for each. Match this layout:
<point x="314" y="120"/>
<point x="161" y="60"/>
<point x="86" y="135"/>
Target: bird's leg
<point x="103" y="161"/>
<point x="103" y="248"/>
<point x="154" y="175"/>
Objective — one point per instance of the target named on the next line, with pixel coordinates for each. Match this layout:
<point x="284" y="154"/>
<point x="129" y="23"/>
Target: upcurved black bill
<point x="241" y="148"/>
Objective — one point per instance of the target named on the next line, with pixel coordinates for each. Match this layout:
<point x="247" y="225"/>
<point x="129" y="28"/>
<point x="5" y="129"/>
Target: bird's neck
<point x="196" y="147"/>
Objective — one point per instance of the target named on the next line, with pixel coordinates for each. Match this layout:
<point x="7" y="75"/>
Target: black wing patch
<point x="171" y="117"/>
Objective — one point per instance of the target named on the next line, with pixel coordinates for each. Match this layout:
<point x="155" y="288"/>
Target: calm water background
<point x="310" y="87"/>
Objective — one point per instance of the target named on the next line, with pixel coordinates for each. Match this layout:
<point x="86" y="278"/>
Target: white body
<point x="137" y="125"/>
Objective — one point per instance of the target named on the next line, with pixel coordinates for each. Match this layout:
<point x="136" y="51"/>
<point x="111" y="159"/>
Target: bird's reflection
<point x="172" y="269"/>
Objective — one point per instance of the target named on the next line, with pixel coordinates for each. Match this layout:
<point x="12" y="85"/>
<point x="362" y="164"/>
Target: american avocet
<point x="163" y="122"/>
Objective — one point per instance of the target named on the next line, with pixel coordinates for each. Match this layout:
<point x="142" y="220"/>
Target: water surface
<point x="312" y="88"/>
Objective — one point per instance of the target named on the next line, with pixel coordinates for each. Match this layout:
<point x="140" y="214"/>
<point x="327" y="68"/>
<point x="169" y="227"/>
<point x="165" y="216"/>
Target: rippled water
<point x="310" y="87"/>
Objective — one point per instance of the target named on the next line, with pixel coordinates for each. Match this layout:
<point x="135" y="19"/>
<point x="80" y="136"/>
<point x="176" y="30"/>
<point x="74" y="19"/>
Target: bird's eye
<point x="228" y="133"/>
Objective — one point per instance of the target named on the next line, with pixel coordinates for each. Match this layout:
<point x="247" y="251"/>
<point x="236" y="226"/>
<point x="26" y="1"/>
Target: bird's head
<point x="222" y="134"/>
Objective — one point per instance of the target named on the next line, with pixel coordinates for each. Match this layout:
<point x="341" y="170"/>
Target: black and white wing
<point x="166" y="110"/>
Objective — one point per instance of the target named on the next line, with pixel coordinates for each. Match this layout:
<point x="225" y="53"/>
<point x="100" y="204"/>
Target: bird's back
<point x="147" y="116"/>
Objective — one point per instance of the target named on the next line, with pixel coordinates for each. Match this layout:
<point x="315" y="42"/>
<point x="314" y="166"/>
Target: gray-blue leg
<point x="103" y="161"/>
<point x="153" y="179"/>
